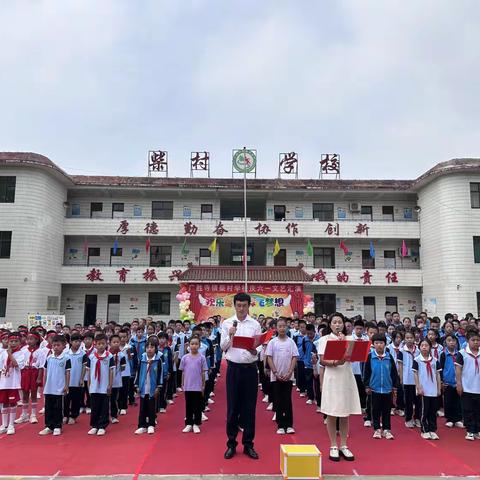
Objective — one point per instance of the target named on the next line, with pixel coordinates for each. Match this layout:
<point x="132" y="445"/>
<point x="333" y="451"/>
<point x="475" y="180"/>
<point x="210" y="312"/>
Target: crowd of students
<point x="420" y="370"/>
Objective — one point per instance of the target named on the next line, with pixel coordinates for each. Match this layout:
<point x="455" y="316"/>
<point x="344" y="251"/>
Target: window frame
<point x="166" y="262"/>
<point x="477" y="194"/>
<point x="368" y="263"/>
<point x="3" y="302"/>
<point x="157" y="209"/>
<point x="476" y="249"/>
<point x="282" y="254"/>
<point x="161" y="302"/>
<point x="319" y="212"/>
<point x="284" y="207"/>
<point x="323" y="256"/>
<point x="5" y="244"/>
<point x="7" y="191"/>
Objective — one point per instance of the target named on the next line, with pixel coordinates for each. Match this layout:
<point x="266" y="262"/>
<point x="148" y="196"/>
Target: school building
<point x="119" y="247"/>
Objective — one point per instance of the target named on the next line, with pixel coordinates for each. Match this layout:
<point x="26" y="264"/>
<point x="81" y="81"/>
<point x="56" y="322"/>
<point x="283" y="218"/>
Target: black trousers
<point x="412" y="400"/>
<point x="99" y="415"/>
<point x="131" y="391"/>
<point x="429" y="413"/>
<point x="368" y="408"/>
<point x="318" y="390"/>
<point x="147" y="412"/>
<point x="361" y="390"/>
<point x="283" y="403"/>
<point x="53" y="411"/>
<point x="209" y="387"/>
<point x="400" y="398"/>
<point x="162" y="397"/>
<point x="471" y="411"/>
<point x="123" y="395"/>
<point x="179" y="378"/>
<point x="452" y="404"/>
<point x="194" y="405"/>
<point x="381" y="405"/>
<point x="114" y="402"/>
<point x="171" y="386"/>
<point x="72" y="402"/>
<point x="263" y="378"/>
<point x="301" y="376"/>
<point x="309" y="383"/>
<point x="87" y="402"/>
<point x="242" y="385"/>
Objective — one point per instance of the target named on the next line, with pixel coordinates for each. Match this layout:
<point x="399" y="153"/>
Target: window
<point x="5" y="244"/>
<point x="324" y="257"/>
<point x="3" y="302"/>
<point x="206" y="211"/>
<point x="160" y="256"/>
<point x="52" y="303"/>
<point x="391" y="303"/>
<point x="162" y="210"/>
<point x="93" y="252"/>
<point x="279" y="212"/>
<point x="367" y="260"/>
<point x="389" y="259"/>
<point x="96" y="209"/>
<point x="366" y="212"/>
<point x="387" y="212"/>
<point x="113" y="308"/>
<point x="474" y="195"/>
<point x="478" y="305"/>
<point x="118" y="253"/>
<point x="369" y="308"/>
<point x="7" y="189"/>
<point x="323" y="211"/>
<point x="205" y="256"/>
<point x="280" y="259"/>
<point x="117" y="209"/>
<point x="158" y="303"/>
<point x="476" y="249"/>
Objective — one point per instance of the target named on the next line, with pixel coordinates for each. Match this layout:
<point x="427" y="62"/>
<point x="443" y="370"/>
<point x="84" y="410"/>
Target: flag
<point x="213" y="245"/>
<point x="147" y="245"/>
<point x="85" y="246"/>
<point x="372" y="250"/>
<point x="115" y="247"/>
<point x="309" y="248"/>
<point x="343" y="247"/>
<point x="404" y="249"/>
<point x="276" y="248"/>
<point x="184" y="247"/>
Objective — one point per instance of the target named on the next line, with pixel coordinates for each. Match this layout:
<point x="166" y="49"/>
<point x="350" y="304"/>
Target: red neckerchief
<point x="397" y="349"/>
<point x="115" y="355"/>
<point x="98" y="366"/>
<point x="49" y="348"/>
<point x="428" y="364"/>
<point x="477" y="365"/>
<point x="89" y="351"/>
<point x="32" y="351"/>
<point x="435" y="352"/>
<point x="149" y="363"/>
<point x="9" y="361"/>
<point x="410" y="352"/>
<point x="170" y="341"/>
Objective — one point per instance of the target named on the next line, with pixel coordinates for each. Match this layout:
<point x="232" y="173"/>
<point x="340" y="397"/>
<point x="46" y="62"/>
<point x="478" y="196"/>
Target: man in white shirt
<point x="242" y="377"/>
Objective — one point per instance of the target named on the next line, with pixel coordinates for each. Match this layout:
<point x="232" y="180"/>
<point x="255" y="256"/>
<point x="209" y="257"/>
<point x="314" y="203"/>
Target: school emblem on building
<point x="244" y="160"/>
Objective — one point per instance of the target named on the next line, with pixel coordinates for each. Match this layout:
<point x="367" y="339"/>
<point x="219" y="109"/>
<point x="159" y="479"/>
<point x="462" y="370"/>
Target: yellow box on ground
<point x="300" y="462"/>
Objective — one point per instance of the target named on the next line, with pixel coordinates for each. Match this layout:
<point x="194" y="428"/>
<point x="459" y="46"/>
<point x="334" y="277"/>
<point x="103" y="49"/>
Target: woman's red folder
<point x="354" y="350"/>
<point x="251" y="343"/>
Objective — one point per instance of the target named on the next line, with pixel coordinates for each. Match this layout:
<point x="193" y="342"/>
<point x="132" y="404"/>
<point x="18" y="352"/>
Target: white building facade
<point x="118" y="248"/>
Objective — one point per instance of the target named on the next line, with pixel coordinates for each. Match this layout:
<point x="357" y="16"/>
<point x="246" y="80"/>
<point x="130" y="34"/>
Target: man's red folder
<point x="251" y="343"/>
<point x="353" y="350"/>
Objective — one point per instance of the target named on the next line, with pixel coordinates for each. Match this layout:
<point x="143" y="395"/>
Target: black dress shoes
<point x="229" y="453"/>
<point x="249" y="451"/>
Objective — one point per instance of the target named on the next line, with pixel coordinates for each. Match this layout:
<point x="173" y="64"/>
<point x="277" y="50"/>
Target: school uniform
<point x="381" y="377"/>
<point x="357" y="369"/>
<point x="54" y="388"/>
<point x="86" y="394"/>
<point x="308" y="348"/>
<point x="137" y="349"/>
<point x="451" y="399"/>
<point x="73" y="399"/>
<point x="179" y="340"/>
<point x="406" y="358"/>
<point x="119" y="361"/>
<point x="194" y="368"/>
<point x="300" y="373"/>
<point x="470" y="364"/>
<point x="149" y="377"/>
<point x="98" y="369"/>
<point x="427" y="377"/>
<point x="167" y="369"/>
<point x="34" y="360"/>
<point x="282" y="351"/>
<point x="317" y="375"/>
<point x="126" y="374"/>
<point x="10" y="378"/>
<point x="210" y="374"/>
<point x="399" y="403"/>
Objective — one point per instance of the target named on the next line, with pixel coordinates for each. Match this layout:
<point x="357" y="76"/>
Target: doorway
<point x="90" y="312"/>
<point x="325" y="303"/>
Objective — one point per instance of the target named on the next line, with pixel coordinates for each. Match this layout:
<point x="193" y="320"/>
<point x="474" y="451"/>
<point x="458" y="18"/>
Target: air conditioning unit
<point x="354" y="207"/>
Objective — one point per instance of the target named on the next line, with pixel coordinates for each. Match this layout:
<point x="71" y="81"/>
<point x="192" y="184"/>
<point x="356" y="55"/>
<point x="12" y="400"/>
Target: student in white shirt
<point x="467" y="371"/>
<point x="126" y="372"/>
<point x="77" y="373"/>
<point x="11" y="362"/>
<point x="426" y="371"/>
<point x="100" y="369"/>
<point x="120" y="361"/>
<point x="57" y="377"/>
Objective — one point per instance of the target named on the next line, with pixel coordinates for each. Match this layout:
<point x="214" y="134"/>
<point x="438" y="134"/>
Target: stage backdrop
<point x="269" y="299"/>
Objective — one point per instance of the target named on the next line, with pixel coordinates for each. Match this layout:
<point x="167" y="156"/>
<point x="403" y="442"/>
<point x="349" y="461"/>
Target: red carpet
<point x="171" y="452"/>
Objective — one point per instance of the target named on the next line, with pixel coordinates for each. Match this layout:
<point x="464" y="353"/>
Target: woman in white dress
<point x="339" y="391"/>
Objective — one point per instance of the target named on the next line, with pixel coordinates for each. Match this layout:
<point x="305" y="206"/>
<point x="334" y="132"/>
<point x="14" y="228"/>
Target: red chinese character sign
<point x="333" y="229"/>
<point x="200" y="162"/>
<point x="292" y="228"/>
<point x="149" y="275"/>
<point x="158" y="162"/>
<point x="366" y="278"/>
<point x="267" y="299"/>
<point x="320" y="276"/>
<point x="123" y="227"/>
<point x="362" y="228"/>
<point x="151" y="228"/>
<point x="288" y="164"/>
<point x="122" y="274"/>
<point x="330" y="166"/>
<point x="94" y="275"/>
<point x="262" y="229"/>
<point x="392" y="277"/>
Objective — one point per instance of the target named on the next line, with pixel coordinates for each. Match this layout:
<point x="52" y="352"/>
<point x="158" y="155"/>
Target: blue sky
<point x="392" y="86"/>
